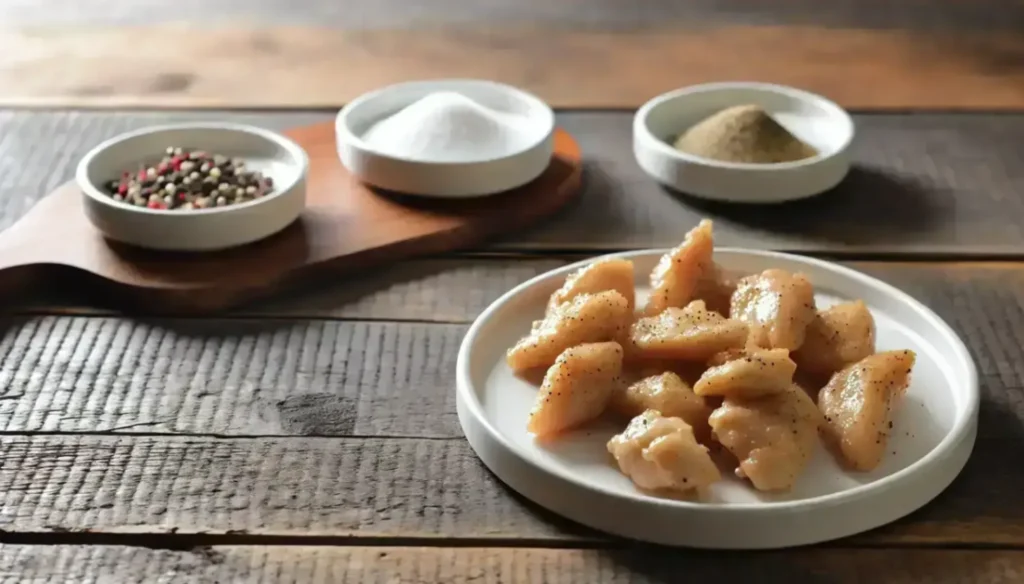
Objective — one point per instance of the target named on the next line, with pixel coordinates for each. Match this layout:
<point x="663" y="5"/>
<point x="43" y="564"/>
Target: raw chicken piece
<point x="773" y="437"/>
<point x="691" y="334"/>
<point x="577" y="388"/>
<point x="587" y="318"/>
<point x="668" y="394"/>
<point x="675" y="278"/>
<point x="859" y="403"/>
<point x="599" y="276"/>
<point x="747" y="374"/>
<point x="659" y="452"/>
<point x="715" y="288"/>
<point x="837" y="337"/>
<point x="777" y="305"/>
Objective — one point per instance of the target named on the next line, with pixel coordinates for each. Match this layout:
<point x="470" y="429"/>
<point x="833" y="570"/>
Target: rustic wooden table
<point x="314" y="439"/>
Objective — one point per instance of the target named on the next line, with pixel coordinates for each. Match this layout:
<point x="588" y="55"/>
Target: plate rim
<point x="965" y="421"/>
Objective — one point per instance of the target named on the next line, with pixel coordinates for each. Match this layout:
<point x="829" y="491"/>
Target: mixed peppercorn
<point x="190" y="179"/>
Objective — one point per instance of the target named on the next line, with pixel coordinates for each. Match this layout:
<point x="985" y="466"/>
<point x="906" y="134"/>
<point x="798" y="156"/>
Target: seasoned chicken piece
<point x="837" y="337"/>
<point x="661" y="453"/>
<point x="859" y="403"/>
<point x="675" y="278"/>
<point x="773" y="437"/>
<point x="599" y="276"/>
<point x="715" y="288"/>
<point x="777" y="305"/>
<point x="747" y="374"/>
<point x="690" y="334"/>
<point x="587" y="318"/>
<point x="577" y="388"/>
<point x="668" y="394"/>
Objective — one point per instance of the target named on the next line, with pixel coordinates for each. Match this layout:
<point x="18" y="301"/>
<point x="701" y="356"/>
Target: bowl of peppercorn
<point x="193" y="187"/>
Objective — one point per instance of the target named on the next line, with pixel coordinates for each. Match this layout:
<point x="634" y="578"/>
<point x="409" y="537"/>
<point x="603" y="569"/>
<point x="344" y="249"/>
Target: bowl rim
<point x="643" y="135"/>
<point x="92" y="191"/>
<point x="347" y="136"/>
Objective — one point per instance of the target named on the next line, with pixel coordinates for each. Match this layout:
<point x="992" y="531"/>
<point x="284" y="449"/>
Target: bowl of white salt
<point x="446" y="138"/>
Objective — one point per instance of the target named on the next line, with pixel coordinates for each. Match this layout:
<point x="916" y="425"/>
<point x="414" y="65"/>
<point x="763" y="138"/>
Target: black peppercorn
<point x="187" y="179"/>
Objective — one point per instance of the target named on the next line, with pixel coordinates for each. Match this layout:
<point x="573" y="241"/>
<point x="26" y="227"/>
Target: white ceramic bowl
<point x="931" y="440"/>
<point x="209" y="229"/>
<point x="812" y="118"/>
<point x="473" y="177"/>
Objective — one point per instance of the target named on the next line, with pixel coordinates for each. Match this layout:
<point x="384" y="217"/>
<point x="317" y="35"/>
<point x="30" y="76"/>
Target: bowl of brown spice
<point x="193" y="186"/>
<point x="743" y="142"/>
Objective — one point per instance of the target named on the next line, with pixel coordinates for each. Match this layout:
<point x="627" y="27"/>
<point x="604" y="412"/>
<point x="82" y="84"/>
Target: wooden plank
<point x="950" y="184"/>
<point x="369" y="14"/>
<point x="73" y="66"/>
<point x="374" y="488"/>
<point x="229" y="377"/>
<point x="250" y="376"/>
<point x="377" y="565"/>
<point x="439" y="290"/>
<point x="327" y="487"/>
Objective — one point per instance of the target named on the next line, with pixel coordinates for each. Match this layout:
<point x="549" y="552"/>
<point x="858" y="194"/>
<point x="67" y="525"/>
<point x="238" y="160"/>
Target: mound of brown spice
<point x="744" y="134"/>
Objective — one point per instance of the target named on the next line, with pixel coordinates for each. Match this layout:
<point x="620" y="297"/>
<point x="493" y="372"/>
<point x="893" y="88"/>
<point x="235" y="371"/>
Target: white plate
<point x="812" y="118"/>
<point x="932" y="439"/>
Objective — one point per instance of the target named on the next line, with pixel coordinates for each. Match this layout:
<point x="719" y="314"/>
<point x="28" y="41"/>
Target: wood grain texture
<point x="379" y="565"/>
<point x="386" y="390"/>
<point x="374" y="487"/>
<point x="364" y="14"/>
<point x="312" y="486"/>
<point x="345" y="228"/>
<point x="73" y="66"/>
<point x="229" y="377"/>
<point x="926" y="183"/>
<point x="248" y="376"/>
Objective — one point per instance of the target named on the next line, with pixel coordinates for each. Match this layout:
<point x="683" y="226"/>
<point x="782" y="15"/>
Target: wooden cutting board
<point x="347" y="227"/>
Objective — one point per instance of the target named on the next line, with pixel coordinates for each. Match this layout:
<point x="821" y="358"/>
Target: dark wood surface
<point x="312" y="437"/>
<point x="950" y="184"/>
<point x="387" y="565"/>
<point x="298" y="426"/>
<point x="328" y="417"/>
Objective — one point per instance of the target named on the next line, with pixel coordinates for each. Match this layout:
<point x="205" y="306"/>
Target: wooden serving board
<point x="346" y="227"/>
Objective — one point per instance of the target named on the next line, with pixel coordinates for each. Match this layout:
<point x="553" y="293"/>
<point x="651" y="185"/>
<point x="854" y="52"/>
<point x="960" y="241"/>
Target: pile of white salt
<point x="449" y="127"/>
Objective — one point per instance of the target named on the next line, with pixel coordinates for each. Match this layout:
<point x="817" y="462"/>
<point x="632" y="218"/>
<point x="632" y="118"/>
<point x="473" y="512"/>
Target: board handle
<point x="27" y="253"/>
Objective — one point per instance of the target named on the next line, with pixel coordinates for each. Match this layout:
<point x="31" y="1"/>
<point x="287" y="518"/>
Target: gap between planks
<point x="190" y="540"/>
<point x="377" y="565"/>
